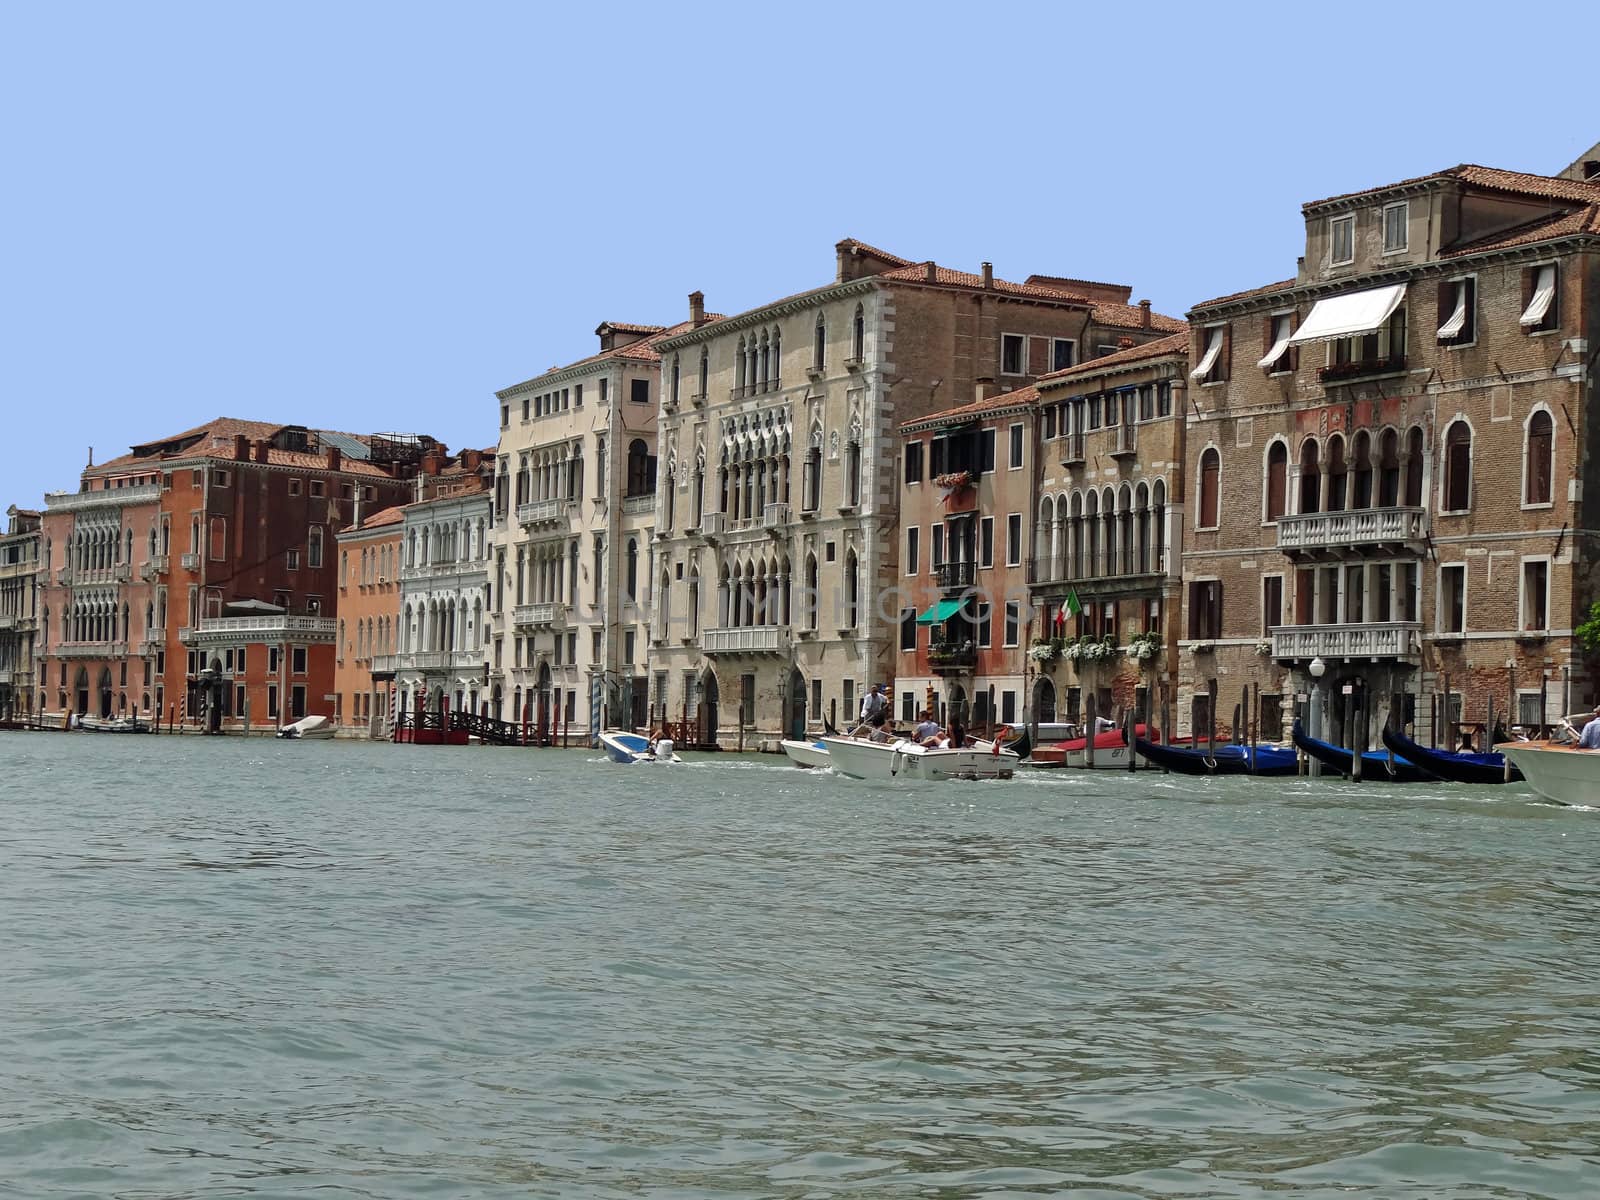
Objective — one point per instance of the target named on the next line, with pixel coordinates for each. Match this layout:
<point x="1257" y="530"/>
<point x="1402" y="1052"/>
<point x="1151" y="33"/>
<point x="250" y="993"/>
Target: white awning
<point x="1349" y="315"/>
<point x="1544" y="291"/>
<point x="1209" y="360"/>
<point x="1458" y="318"/>
<point x="1279" y="349"/>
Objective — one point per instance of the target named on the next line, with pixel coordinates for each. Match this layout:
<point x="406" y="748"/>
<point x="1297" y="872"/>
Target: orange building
<point x="369" y="611"/>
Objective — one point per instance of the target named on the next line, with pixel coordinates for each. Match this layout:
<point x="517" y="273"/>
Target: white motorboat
<point x="634" y="748"/>
<point x="309" y="729"/>
<point x="807" y="754"/>
<point x="860" y="759"/>
<point x="1558" y="771"/>
<point x="113" y="725"/>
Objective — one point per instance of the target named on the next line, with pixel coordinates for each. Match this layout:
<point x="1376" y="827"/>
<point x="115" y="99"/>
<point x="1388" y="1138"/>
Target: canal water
<point x="249" y="968"/>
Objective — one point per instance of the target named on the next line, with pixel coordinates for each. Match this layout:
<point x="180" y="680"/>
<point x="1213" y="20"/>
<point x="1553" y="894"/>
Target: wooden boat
<point x="807" y="754"/>
<point x="1377" y="766"/>
<point x="1452" y="766"/>
<point x="1228" y="759"/>
<point x="1558" y="771"/>
<point x="634" y="748"/>
<point x="309" y="729"/>
<point x="113" y="725"/>
<point x="886" y="761"/>
<point x="1111" y="751"/>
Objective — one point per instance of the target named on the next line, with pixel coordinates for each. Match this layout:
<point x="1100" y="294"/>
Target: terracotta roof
<point x="1177" y="343"/>
<point x="1579" y="221"/>
<point x="945" y="277"/>
<point x="642" y="350"/>
<point x="393" y="515"/>
<point x="977" y="409"/>
<point x="626" y="327"/>
<point x="1282" y="285"/>
<point x="856" y="244"/>
<point x="1493" y="178"/>
<point x="1131" y="316"/>
<point x="307" y="459"/>
<point x="223" y="427"/>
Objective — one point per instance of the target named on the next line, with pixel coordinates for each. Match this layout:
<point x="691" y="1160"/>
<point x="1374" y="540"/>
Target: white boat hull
<point x="309" y="729"/>
<point x="890" y="761"/>
<point x="630" y="749"/>
<point x="807" y="754"/>
<point x="1106" y="758"/>
<point x="1557" y="772"/>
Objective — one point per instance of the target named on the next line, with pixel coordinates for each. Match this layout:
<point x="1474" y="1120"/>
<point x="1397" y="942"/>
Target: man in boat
<point x="927" y="731"/>
<point x="874" y="710"/>
<point x="1589" y="739"/>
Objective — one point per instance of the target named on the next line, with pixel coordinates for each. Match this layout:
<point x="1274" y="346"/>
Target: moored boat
<point x="1228" y="759"/>
<point x="885" y="761"/>
<point x="806" y="754"/>
<point x="1377" y="766"/>
<point x="113" y="725"/>
<point x="630" y="748"/>
<point x="1452" y="766"/>
<point x="1558" y="771"/>
<point x="309" y="729"/>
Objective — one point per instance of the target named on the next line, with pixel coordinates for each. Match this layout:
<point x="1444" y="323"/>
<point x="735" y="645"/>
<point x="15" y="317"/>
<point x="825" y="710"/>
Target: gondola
<point x="1452" y="766"/>
<point x="1228" y="759"/>
<point x="1376" y="765"/>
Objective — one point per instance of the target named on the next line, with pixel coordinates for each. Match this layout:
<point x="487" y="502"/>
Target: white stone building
<point x="444" y="601"/>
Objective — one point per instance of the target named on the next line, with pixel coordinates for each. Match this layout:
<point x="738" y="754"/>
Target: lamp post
<point x="1317" y="668"/>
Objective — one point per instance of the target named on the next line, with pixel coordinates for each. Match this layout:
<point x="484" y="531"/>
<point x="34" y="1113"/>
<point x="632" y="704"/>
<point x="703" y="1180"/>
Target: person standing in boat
<point x="874" y="708"/>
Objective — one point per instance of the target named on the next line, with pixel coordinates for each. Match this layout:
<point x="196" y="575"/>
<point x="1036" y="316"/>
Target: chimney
<point x="930" y="271"/>
<point x="262" y="446"/>
<point x="241" y="448"/>
<point x="986" y="386"/>
<point x="430" y="463"/>
<point x="988" y="277"/>
<point x="697" y="309"/>
<point x="472" y="459"/>
<point x="1144" y="314"/>
<point x="335" y="458"/>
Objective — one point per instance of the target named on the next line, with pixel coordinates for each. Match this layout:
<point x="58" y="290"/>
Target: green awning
<point x="939" y="612"/>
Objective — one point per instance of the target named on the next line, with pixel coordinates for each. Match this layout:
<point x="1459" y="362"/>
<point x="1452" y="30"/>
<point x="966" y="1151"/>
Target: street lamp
<point x="1318" y="668"/>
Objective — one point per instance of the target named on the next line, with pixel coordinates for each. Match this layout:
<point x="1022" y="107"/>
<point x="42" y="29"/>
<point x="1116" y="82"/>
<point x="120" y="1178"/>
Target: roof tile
<point x="1177" y="343"/>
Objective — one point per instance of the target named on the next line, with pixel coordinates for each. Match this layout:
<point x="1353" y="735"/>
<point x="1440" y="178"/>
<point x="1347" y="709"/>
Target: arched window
<point x="858" y="335"/>
<point x="1310" y="476"/>
<point x="633" y="568"/>
<point x="1389" y="469"/>
<point x="1414" y="467"/>
<point x="1361" y="460"/>
<point x="819" y="344"/>
<point x="1537" y="473"/>
<point x="1338" y="475"/>
<point x="705" y="371"/>
<point x="1210" y="469"/>
<point x="853" y="476"/>
<point x="811" y="591"/>
<point x="641" y="469"/>
<point x="677" y="367"/>
<point x="314" y="547"/>
<point x="694" y="602"/>
<point x="852" y="590"/>
<point x="1277" y="479"/>
<point x="1458" y="467"/>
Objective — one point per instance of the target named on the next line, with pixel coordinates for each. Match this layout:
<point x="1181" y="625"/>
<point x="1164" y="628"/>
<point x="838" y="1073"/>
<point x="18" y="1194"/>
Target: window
<point x="819" y="345"/>
<point x="1013" y="622"/>
<point x="629" y="645"/>
<point x="1396" y="220"/>
<point x="318" y="488"/>
<point x="1063" y="353"/>
<point x="297" y="660"/>
<point x="913" y="462"/>
<point x="219" y="539"/>
<point x="294" y="487"/>
<point x="982" y="619"/>
<point x="1050" y="423"/>
<point x="1341" y="240"/>
<point x="1210" y="468"/>
<point x="314" y="547"/>
<point x="291" y="559"/>
<point x="1213" y="365"/>
<point x="1012" y="346"/>
<point x="1453" y="598"/>
<point x="1537" y="469"/>
<point x="1539" y="299"/>
<point x="908" y="629"/>
<point x="1205" y="609"/>
<point x="936" y="456"/>
<point x="639" y="391"/>
<point x="936" y="545"/>
<point x="986" y="451"/>
<point x="1014" y="540"/>
<point x="220" y="479"/>
<point x="913" y="550"/>
<point x="1277" y="479"/>
<point x="1015" y="461"/>
<point x="1458" y="319"/>
<point x="1458" y="467"/>
<point x="1271" y="603"/>
<point x="858" y="336"/>
<point x="1280" y="358"/>
<point x="1535" y="595"/>
<point x="641" y="467"/>
<point x="986" y="542"/>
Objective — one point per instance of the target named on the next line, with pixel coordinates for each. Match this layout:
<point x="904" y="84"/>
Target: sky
<point x="371" y="217"/>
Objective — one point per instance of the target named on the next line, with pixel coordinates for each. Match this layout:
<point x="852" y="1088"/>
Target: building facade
<point x="1387" y="457"/>
<point x="368" y="624"/>
<point x="20" y="566"/>
<point x="776" y="556"/>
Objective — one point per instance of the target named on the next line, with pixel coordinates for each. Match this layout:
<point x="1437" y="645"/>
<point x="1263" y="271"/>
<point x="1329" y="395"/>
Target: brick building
<point x="1387" y="456"/>
<point x="19" y="611"/>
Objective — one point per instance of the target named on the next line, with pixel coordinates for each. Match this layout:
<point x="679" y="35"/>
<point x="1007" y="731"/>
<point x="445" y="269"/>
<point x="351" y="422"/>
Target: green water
<point x="272" y="969"/>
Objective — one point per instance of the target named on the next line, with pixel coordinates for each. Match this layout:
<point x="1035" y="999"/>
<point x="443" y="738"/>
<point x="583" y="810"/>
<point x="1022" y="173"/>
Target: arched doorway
<point x="497" y="703"/>
<point x="707" y="715"/>
<point x="80" y="684"/>
<point x="956" y="704"/>
<point x="1044" y="700"/>
<point x="543" y="719"/>
<point x="796" y="719"/>
<point x="105" y="691"/>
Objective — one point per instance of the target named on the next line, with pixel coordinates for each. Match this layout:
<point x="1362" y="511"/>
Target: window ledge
<point x="1533" y="635"/>
<point x="805" y="633"/>
<point x="1545" y="505"/>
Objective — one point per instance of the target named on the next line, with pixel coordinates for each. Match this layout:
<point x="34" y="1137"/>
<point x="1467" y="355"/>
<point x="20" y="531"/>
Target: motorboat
<point x="310" y="729"/>
<point x="1377" y="766"/>
<point x="1558" y="771"/>
<point x="1111" y="750"/>
<point x="634" y="748"/>
<point x="1262" y="759"/>
<point x="807" y="754"/>
<point x="904" y="759"/>
<point x="1453" y="766"/>
<point x="113" y="724"/>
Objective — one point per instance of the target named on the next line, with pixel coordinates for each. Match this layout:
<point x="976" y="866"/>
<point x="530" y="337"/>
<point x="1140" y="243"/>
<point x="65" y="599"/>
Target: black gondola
<point x="1452" y="766"/>
<point x="1377" y="766"/>
<point x="1228" y="760"/>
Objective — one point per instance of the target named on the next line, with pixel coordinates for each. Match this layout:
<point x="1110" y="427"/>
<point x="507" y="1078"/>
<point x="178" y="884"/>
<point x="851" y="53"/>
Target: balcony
<point x="64" y="575"/>
<point x="754" y="639"/>
<point x="1367" y="368"/>
<point x="1045" y="572"/>
<point x="8" y="622"/>
<point x="384" y="664"/>
<point x="436" y="660"/>
<point x="1391" y="639"/>
<point x="1126" y="442"/>
<point x="1362" y="530"/>
<point x="122" y="572"/>
<point x="956" y="574"/>
<point x="540" y="512"/>
<point x="190" y="562"/>
<point x="145" y="493"/>
<point x="698" y="399"/>
<point x="775" y="516"/>
<point x="712" y="525"/>
<point x="633" y="505"/>
<point x="153" y="642"/>
<point x="264" y="627"/>
<point x="153" y="566"/>
<point x="90" y="650"/>
<point x="1072" y="450"/>
<point x="952" y="658"/>
<point x="528" y="615"/>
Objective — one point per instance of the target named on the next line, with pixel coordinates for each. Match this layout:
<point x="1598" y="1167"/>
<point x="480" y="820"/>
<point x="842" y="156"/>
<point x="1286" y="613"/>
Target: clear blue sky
<point x="370" y="217"/>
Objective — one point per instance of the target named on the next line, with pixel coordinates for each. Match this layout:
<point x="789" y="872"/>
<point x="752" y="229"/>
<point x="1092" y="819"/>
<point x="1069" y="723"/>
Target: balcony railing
<point x="122" y="572"/>
<point x="712" y="524"/>
<point x="1355" y="529"/>
<point x="549" y="613"/>
<point x="1365" y="368"/>
<point x="437" y="660"/>
<point x="265" y="627"/>
<point x="956" y="574"/>
<point x="944" y="657"/>
<point x="77" y="501"/>
<point x="1072" y="449"/>
<point x="64" y="575"/>
<point x="1391" y="639"/>
<point x="1126" y="443"/>
<point x="90" y="649"/>
<point x="639" y="504"/>
<point x="384" y="664"/>
<point x="536" y="512"/>
<point x="754" y="639"/>
<point x="153" y="642"/>
<point x="1059" y="570"/>
<point x="153" y="566"/>
<point x="8" y="622"/>
<point x="776" y="514"/>
<point x="190" y="562"/>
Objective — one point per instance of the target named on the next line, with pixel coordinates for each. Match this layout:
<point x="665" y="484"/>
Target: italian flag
<point x="1073" y="605"/>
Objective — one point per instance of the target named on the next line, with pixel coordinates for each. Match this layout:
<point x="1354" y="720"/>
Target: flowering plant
<point x="1143" y="647"/>
<point x="1043" y="650"/>
<point x="953" y="481"/>
<point x="1264" y="646"/>
<point x="1091" y="649"/>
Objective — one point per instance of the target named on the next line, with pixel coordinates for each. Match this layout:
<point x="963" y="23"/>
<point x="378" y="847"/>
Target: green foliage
<point x="1588" y="633"/>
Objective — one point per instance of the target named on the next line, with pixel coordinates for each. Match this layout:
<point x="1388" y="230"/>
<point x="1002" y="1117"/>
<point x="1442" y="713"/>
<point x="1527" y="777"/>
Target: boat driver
<point x="1589" y="739"/>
